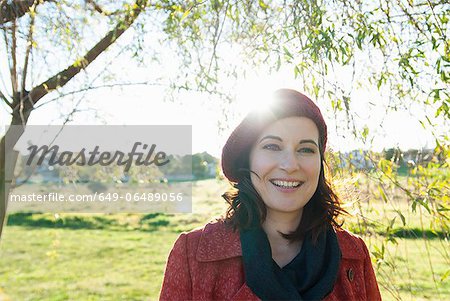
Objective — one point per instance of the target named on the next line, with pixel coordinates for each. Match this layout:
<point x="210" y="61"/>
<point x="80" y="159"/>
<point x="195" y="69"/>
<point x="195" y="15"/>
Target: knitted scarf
<point x="309" y="276"/>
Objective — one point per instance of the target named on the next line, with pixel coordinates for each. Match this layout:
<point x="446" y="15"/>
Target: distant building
<point x="356" y="159"/>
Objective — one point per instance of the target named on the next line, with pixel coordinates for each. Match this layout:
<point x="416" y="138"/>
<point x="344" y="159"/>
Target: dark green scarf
<point x="309" y="276"/>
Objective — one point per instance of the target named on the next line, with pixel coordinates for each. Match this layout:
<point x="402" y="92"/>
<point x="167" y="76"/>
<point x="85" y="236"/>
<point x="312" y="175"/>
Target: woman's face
<point x="286" y="159"/>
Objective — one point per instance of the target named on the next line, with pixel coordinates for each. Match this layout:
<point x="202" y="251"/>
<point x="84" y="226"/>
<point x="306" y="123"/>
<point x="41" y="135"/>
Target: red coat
<point x="206" y="264"/>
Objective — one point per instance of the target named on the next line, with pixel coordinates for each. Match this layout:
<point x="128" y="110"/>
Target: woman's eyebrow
<point x="271" y="137"/>
<point x="308" y="141"/>
<point x="281" y="140"/>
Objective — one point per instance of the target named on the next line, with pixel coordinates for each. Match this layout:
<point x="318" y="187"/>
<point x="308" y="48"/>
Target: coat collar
<point x="219" y="242"/>
<point x="352" y="246"/>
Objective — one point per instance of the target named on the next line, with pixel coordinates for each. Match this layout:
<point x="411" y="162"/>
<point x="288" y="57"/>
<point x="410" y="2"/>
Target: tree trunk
<point x="8" y="159"/>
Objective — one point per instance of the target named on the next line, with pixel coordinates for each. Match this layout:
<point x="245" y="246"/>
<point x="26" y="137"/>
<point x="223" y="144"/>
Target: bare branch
<point x="60" y="79"/>
<point x="13" y="67"/>
<point x="411" y="18"/>
<point x="99" y="87"/>
<point x="5" y="100"/>
<point x="217" y="33"/>
<point x="28" y="50"/>
<point x="99" y="9"/>
<point x="12" y="10"/>
<point x="7" y="48"/>
<point x="441" y="31"/>
<point x="218" y="27"/>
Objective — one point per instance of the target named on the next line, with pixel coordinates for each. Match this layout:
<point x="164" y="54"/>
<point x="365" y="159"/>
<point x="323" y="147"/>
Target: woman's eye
<point x="307" y="150"/>
<point x="271" y="146"/>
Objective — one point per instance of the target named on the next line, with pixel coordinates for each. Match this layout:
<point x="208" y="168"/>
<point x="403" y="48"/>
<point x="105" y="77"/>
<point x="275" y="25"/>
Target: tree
<point x="396" y="50"/>
<point x="22" y="99"/>
<point x="201" y="165"/>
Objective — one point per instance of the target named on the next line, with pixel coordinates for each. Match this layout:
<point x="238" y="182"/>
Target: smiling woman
<point x="280" y="239"/>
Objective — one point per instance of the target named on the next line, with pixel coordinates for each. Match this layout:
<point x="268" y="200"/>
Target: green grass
<point x="122" y="256"/>
<point x="408" y="271"/>
<point x="67" y="264"/>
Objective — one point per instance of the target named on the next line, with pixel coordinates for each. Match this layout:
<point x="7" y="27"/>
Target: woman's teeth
<point x="286" y="184"/>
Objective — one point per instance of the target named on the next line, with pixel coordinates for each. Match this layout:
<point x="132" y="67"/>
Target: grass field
<point x="122" y="256"/>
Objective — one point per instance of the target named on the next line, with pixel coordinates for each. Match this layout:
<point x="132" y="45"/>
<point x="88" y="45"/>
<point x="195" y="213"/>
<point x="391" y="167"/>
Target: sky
<point x="147" y="105"/>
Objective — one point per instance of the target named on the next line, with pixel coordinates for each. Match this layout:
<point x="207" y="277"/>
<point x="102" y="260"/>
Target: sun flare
<point x="256" y="92"/>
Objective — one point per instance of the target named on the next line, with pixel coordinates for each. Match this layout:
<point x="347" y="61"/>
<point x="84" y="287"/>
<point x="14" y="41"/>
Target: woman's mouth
<point x="286" y="184"/>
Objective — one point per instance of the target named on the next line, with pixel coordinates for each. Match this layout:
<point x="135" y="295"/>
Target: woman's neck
<point x="283" y="250"/>
<point x="277" y="222"/>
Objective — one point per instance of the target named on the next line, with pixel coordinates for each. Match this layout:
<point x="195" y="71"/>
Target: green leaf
<point x="402" y="217"/>
<point x="278" y="63"/>
<point x="296" y="71"/>
<point x="424" y="203"/>
<point x="287" y="53"/>
<point x="392" y="222"/>
<point x="383" y="194"/>
<point x="184" y="16"/>
<point x="380" y="81"/>
<point x="263" y="5"/>
<point x="365" y="132"/>
<point x="445" y="276"/>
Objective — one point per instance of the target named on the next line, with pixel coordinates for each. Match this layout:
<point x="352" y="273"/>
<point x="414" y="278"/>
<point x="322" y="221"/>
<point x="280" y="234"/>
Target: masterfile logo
<point x="103" y="169"/>
<point x="90" y="158"/>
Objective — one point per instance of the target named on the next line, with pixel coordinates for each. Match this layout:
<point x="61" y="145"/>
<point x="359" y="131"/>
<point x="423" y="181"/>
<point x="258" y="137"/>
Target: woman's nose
<point x="289" y="161"/>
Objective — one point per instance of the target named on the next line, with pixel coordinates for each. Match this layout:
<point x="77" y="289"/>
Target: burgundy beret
<point x="285" y="103"/>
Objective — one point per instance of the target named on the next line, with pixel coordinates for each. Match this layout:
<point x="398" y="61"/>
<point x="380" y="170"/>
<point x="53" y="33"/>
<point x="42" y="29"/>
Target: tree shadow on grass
<point x="416" y="233"/>
<point x="157" y="221"/>
<point x="148" y="223"/>
<point x="400" y="232"/>
<point x="154" y="221"/>
<point x="38" y="220"/>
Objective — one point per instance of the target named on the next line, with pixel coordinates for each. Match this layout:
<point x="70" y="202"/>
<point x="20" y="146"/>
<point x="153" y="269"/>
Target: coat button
<point x="350" y="274"/>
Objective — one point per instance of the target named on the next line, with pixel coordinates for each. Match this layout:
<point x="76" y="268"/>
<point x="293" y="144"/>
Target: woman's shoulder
<point x="346" y="234"/>
<point x="213" y="241"/>
<point x="352" y="246"/>
<point x="211" y="229"/>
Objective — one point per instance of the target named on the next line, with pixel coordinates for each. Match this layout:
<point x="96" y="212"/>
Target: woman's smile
<point x="286" y="184"/>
